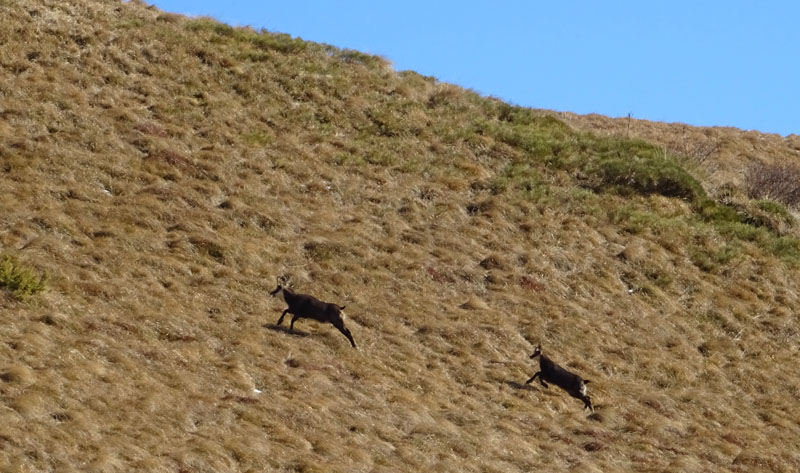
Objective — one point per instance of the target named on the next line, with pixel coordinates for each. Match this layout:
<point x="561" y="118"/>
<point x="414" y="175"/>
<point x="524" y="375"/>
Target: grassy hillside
<point x="157" y="173"/>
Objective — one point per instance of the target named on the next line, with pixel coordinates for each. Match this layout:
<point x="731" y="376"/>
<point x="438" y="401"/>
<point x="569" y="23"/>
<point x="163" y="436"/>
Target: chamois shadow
<point x="519" y="386"/>
<point x="285" y="329"/>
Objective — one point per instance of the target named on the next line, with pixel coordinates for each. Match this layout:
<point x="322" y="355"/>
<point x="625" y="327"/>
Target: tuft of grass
<point x="22" y="281"/>
<point x="322" y="250"/>
<point x="636" y="220"/>
<point x="710" y="260"/>
<point x="259" y="138"/>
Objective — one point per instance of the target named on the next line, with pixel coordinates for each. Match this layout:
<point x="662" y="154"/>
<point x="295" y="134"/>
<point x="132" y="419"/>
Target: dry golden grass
<point x="162" y="171"/>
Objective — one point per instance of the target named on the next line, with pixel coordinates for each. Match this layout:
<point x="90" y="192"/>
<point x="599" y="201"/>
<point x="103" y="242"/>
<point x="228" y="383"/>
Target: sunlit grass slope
<point x="158" y="172"/>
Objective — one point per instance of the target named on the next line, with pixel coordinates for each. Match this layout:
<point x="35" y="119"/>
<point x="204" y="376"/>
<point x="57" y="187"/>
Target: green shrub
<point x="278" y="42"/>
<point x="709" y="260"/>
<point x="742" y="231"/>
<point x="352" y="56"/>
<point x="767" y="214"/>
<point x="774" y="214"/>
<point x="210" y="25"/>
<point x="717" y="213"/>
<point x="529" y="117"/>
<point x="648" y="175"/>
<point x="786" y="248"/>
<point x="635" y="221"/>
<point x="542" y="137"/>
<point x="20" y="280"/>
<point x="773" y="208"/>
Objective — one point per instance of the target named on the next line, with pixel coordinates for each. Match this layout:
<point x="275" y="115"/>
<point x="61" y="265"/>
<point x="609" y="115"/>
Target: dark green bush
<point x="648" y="175"/>
<point x="20" y="280"/>
<point x="715" y="212"/>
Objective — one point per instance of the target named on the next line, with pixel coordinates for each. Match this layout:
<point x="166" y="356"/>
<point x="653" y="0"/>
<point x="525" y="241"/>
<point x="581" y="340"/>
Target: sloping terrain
<point x="725" y="153"/>
<point x="163" y="171"/>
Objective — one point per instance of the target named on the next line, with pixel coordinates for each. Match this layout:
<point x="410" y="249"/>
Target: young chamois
<point x="550" y="372"/>
<point x="303" y="306"/>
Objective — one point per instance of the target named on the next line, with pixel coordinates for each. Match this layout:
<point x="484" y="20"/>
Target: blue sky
<point x="709" y="63"/>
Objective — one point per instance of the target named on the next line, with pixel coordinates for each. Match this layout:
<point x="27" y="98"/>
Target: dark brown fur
<point x="303" y="306"/>
<point x="551" y="372"/>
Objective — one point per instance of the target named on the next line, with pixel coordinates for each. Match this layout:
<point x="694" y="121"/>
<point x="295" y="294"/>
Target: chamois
<point x="550" y="372"/>
<point x="303" y="306"/>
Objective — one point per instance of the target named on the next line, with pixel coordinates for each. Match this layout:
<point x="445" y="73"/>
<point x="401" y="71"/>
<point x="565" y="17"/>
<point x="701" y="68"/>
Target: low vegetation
<point x="776" y="182"/>
<point x="21" y="281"/>
<point x="162" y="171"/>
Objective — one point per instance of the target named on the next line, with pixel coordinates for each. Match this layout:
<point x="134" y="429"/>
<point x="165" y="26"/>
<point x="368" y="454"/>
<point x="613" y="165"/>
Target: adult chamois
<point x="550" y="372"/>
<point x="303" y="306"/>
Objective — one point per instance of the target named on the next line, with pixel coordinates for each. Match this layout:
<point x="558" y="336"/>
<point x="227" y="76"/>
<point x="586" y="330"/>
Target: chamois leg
<point x="280" y="321"/>
<point x="533" y="377"/>
<point x="587" y="402"/>
<point x="339" y="324"/>
<point x="294" y="319"/>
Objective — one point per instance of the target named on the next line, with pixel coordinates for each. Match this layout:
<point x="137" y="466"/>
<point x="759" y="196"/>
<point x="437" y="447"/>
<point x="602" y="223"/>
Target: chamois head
<point x="283" y="283"/>
<point x="536" y="352"/>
